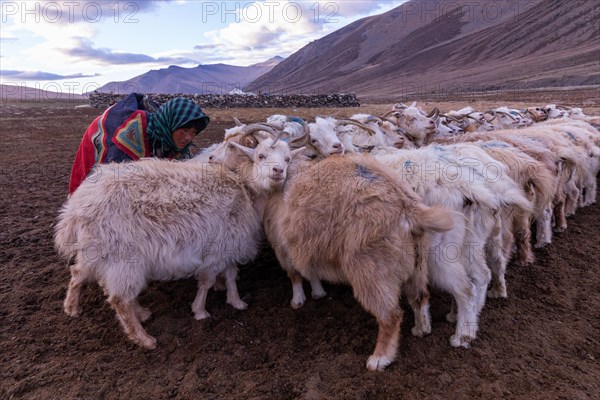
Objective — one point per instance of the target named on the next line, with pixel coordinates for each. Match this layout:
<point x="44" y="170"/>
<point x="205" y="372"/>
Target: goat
<point x="508" y="118"/>
<point x="362" y="226"/>
<point x="413" y="121"/>
<point x="537" y="114"/>
<point x="323" y="137"/>
<point x="531" y="165"/>
<point x="443" y="180"/>
<point x="166" y="220"/>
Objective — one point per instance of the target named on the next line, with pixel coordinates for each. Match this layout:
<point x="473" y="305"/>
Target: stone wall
<point x="103" y="100"/>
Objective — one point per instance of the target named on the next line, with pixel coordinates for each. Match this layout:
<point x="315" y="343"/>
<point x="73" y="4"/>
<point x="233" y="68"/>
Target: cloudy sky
<point x="76" y="46"/>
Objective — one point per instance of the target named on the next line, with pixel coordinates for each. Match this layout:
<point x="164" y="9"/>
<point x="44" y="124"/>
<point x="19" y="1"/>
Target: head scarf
<point x="171" y="116"/>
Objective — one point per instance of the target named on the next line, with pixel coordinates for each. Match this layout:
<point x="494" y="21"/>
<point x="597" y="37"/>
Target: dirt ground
<point x="542" y="342"/>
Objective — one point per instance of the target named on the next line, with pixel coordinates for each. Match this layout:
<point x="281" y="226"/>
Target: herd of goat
<point x="387" y="204"/>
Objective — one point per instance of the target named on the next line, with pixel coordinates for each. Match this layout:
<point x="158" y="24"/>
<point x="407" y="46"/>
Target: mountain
<point x="203" y="79"/>
<point x="436" y="46"/>
<point x="24" y="93"/>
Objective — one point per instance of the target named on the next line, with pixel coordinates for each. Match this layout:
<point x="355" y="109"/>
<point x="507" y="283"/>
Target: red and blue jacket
<point x="119" y="134"/>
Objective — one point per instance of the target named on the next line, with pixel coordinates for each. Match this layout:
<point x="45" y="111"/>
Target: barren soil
<point x="542" y="342"/>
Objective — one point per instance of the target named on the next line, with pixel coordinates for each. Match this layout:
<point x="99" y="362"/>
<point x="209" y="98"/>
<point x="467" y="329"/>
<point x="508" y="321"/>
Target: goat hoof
<point x="523" y="263"/>
<point x="461" y="341"/>
<point x="375" y="363"/>
<point x="147" y="342"/>
<point x="497" y="294"/>
<point x="72" y="311"/>
<point x="238" y="305"/>
<point x="318" y="295"/>
<point x="296" y="305"/>
<point x="297" y="302"/>
<point x="202" y="314"/>
<point x="420" y="331"/>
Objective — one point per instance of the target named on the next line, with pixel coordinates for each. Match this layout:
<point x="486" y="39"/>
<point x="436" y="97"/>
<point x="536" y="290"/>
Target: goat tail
<point x="515" y="197"/>
<point x="65" y="234"/>
<point x="433" y="218"/>
<point x="593" y="120"/>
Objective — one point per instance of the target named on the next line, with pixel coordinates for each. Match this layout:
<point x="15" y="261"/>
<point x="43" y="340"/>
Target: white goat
<point x="413" y="121"/>
<point x="457" y="261"/>
<point x="164" y="220"/>
<point x="370" y="131"/>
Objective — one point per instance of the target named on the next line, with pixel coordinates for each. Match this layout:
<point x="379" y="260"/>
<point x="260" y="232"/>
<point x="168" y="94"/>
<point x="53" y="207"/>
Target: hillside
<point x="203" y="79"/>
<point x="22" y="93"/>
<point x="435" y="46"/>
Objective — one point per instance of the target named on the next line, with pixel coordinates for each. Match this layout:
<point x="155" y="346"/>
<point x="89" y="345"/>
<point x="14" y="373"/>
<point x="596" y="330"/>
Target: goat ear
<point x="260" y="136"/>
<point x="414" y="104"/>
<point x="246" y="150"/>
<point x="249" y="141"/>
<point x="298" y="151"/>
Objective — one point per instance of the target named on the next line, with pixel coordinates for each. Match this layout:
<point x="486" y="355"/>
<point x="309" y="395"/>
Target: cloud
<point x="41" y="76"/>
<point x="204" y="46"/>
<point x="68" y="12"/>
<point x="262" y="29"/>
<point x="85" y="51"/>
<point x="351" y="9"/>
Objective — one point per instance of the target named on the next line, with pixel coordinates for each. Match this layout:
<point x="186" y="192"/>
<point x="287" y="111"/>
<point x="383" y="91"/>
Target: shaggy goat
<point x="347" y="219"/>
<point x="166" y="220"/>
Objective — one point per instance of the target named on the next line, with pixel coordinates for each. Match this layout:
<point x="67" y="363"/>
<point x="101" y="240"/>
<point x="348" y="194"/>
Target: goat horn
<point x="435" y="111"/>
<point x="275" y="127"/>
<point x="564" y="107"/>
<point x="492" y="113"/>
<point x="389" y="113"/>
<point x="250" y="129"/>
<point x="388" y="120"/>
<point x="451" y="117"/>
<point x="356" y="123"/>
<point x="505" y="113"/>
<point x="303" y="140"/>
<point x="237" y="122"/>
<point x="377" y="120"/>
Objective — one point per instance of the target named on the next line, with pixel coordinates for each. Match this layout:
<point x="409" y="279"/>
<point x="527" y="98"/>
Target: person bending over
<point x="134" y="128"/>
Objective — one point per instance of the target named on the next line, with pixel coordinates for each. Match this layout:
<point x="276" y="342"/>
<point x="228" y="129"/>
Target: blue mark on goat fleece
<point x="571" y="136"/>
<point x="442" y="149"/>
<point x="297" y="120"/>
<point x="494" y="143"/>
<point x="366" y="173"/>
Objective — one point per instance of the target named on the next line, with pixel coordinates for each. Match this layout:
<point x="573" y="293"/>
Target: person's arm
<point x="85" y="157"/>
<point x="115" y="154"/>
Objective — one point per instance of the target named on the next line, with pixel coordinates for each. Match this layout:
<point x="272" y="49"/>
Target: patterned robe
<point x="118" y="135"/>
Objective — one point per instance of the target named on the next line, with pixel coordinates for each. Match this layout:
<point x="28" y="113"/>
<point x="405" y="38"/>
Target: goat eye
<point x="314" y="141"/>
<point x="262" y="156"/>
<point x="287" y="160"/>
